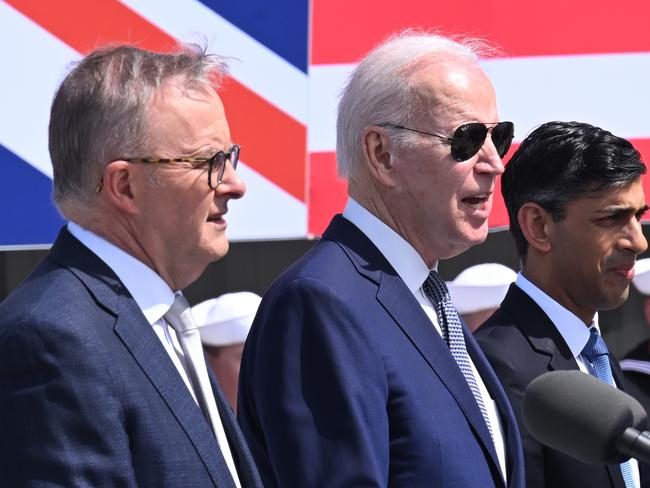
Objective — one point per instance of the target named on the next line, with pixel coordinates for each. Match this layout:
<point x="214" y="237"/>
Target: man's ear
<point x="378" y="152"/>
<point x="535" y="223"/>
<point x="118" y="186"/>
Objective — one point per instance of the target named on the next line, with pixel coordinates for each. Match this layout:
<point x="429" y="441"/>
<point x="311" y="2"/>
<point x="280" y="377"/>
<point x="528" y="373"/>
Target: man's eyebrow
<point x="621" y="209"/>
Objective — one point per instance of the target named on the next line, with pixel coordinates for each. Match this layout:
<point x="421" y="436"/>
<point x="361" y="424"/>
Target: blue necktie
<point x="452" y="332"/>
<point x="598" y="355"/>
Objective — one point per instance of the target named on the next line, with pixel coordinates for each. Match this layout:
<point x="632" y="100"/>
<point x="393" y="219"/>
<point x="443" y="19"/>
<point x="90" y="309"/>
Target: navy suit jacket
<point x="522" y="343"/>
<point x="345" y="382"/>
<point x="88" y="395"/>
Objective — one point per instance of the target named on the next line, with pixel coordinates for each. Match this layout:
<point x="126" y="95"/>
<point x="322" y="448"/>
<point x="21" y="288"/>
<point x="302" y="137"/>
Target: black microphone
<point x="587" y="419"/>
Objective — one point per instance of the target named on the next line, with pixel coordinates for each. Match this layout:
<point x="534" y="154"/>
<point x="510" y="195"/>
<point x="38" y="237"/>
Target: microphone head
<point x="580" y="415"/>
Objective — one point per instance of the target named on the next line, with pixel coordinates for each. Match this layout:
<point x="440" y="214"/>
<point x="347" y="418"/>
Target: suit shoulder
<point x="51" y="301"/>
<point x="500" y="325"/>
<point x="503" y="341"/>
<point x="326" y="264"/>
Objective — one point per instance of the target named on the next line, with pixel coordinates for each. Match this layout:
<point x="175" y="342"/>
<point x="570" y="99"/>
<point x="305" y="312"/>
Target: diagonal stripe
<point x="252" y="64"/>
<point x="254" y="123"/>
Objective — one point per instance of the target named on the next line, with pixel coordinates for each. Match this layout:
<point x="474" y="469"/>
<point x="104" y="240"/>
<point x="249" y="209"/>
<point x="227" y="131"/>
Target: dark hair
<point x="99" y="112"/>
<point x="561" y="161"/>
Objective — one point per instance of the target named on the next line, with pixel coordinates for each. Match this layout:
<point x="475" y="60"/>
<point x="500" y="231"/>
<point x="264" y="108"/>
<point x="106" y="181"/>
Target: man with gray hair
<point x="102" y="377"/>
<point x="357" y="370"/>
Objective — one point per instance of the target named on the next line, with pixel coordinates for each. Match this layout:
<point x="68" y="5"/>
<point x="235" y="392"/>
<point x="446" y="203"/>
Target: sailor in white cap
<point x="224" y="323"/>
<point x="477" y="291"/>
<point x="636" y="364"/>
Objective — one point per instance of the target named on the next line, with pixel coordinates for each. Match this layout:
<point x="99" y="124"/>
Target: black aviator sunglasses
<point x="468" y="138"/>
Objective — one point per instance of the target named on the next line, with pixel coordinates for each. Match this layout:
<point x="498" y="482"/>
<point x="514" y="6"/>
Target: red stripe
<point x="344" y="31"/>
<point x="328" y="193"/>
<point x="273" y="143"/>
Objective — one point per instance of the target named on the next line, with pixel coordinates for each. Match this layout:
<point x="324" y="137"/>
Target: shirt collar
<point x="571" y="328"/>
<point x="406" y="261"/>
<point x="152" y="295"/>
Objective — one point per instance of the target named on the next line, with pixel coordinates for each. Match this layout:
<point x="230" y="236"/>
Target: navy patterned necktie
<point x="597" y="354"/>
<point x="452" y="332"/>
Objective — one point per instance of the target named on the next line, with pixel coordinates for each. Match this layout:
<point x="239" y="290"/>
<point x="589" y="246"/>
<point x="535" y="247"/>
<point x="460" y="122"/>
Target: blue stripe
<point x="28" y="215"/>
<point x="281" y="25"/>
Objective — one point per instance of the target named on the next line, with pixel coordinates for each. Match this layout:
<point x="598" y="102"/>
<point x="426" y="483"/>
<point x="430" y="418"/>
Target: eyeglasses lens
<point x="469" y="138"/>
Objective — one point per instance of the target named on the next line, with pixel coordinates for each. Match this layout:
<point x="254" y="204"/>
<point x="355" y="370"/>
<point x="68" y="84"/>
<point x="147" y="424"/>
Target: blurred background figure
<point x="478" y="291"/>
<point x="636" y="364"/>
<point x="224" y="323"/>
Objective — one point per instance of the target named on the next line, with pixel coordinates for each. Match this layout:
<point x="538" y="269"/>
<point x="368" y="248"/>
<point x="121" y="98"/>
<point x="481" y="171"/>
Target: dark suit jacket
<point x="345" y="382"/>
<point x="88" y="395"/>
<point x="522" y="343"/>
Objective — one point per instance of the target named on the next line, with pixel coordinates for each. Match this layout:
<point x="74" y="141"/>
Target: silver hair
<point x="379" y="90"/>
<point x="98" y="113"/>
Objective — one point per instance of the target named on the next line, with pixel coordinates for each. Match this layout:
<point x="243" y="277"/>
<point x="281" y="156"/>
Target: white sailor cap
<point x="642" y="276"/>
<point x="480" y="287"/>
<point x="227" y="319"/>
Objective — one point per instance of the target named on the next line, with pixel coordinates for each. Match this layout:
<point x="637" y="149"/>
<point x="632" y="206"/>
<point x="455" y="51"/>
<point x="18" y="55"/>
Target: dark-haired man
<point x="574" y="198"/>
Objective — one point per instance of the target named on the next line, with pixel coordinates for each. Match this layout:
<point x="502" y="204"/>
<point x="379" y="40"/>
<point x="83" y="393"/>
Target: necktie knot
<point x="436" y="288"/>
<point x="595" y="346"/>
<point x="179" y="315"/>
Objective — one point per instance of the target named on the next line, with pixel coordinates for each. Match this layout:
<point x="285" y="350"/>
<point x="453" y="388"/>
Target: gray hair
<point x="379" y="90"/>
<point x="98" y="113"/>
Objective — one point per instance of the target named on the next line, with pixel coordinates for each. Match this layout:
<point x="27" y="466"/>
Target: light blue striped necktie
<point x="452" y="332"/>
<point x="598" y="355"/>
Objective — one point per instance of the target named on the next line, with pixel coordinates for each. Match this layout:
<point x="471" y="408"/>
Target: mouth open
<point x="477" y="201"/>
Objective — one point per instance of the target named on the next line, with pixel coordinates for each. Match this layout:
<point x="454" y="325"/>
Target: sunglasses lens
<point x="467" y="140"/>
<point x="502" y="136"/>
<point x="234" y="156"/>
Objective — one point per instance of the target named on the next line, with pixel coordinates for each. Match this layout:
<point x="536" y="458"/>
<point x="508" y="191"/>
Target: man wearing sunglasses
<point x="102" y="380"/>
<point x="357" y="371"/>
<point x="575" y="200"/>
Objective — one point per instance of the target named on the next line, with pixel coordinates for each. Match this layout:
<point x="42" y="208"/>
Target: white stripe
<point x="266" y="211"/>
<point x="636" y="366"/>
<point x="255" y="66"/>
<point x="35" y="64"/>
<point x="609" y="90"/>
<point x="325" y="85"/>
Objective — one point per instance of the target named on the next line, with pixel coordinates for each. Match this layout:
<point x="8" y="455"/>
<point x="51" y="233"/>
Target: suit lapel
<point x="542" y="334"/>
<point x="140" y="340"/>
<point x="492" y="383"/>
<point x="403" y="307"/>
<point x="400" y="303"/>
<point x="547" y="340"/>
<point x="246" y="468"/>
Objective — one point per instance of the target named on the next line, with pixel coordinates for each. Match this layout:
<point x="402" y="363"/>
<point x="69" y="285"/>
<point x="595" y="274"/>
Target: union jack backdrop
<point x="561" y="60"/>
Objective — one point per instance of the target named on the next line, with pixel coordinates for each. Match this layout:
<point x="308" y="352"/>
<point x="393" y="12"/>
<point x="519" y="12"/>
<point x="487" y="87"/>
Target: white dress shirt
<point x="573" y="330"/>
<point x="412" y="269"/>
<point x="150" y="292"/>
